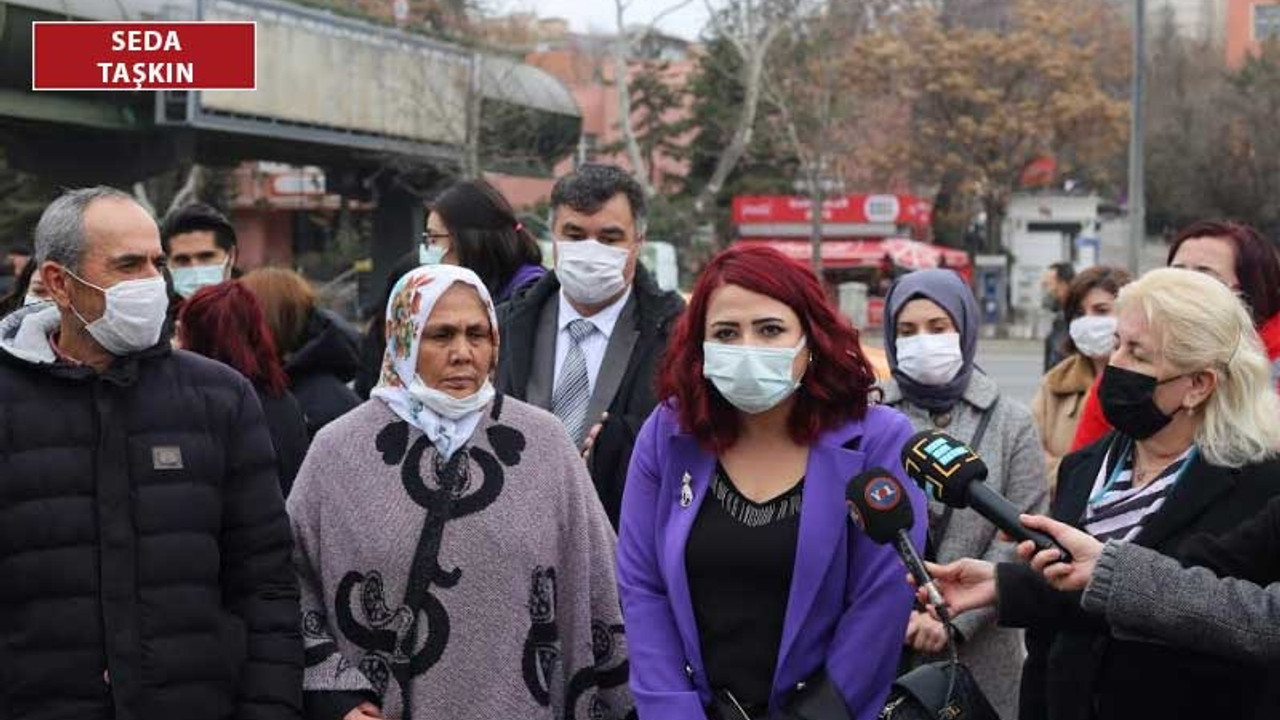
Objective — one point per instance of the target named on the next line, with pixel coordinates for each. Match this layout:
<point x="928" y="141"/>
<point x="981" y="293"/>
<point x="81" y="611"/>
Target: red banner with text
<point x="143" y="56"/>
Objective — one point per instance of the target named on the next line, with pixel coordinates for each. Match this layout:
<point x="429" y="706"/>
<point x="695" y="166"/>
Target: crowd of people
<point x="567" y="493"/>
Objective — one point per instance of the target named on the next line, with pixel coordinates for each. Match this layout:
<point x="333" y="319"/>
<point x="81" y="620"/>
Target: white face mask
<point x="1094" y="335"/>
<point x="930" y="359"/>
<point x="752" y="379"/>
<point x="134" y="315"/>
<point x="33" y="300"/>
<point x="189" y="280"/>
<point x="431" y="254"/>
<point x="589" y="271"/>
<point x="454" y="419"/>
<point x="448" y="406"/>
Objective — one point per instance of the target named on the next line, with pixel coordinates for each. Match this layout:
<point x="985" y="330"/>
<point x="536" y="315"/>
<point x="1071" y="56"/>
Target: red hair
<point x="835" y="388"/>
<point x="225" y="322"/>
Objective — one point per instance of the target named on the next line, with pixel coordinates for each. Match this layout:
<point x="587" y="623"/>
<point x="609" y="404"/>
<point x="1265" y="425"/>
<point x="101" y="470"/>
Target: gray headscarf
<point x="950" y="292"/>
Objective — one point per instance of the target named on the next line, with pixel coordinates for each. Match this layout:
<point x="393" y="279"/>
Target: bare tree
<point x="622" y="53"/>
<point x="750" y="27"/>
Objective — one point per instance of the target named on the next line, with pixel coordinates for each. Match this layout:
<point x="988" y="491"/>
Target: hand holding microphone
<point x="953" y="474"/>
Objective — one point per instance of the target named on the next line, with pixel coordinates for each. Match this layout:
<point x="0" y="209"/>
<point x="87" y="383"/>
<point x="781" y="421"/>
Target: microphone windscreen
<point x="942" y="466"/>
<point x="881" y="503"/>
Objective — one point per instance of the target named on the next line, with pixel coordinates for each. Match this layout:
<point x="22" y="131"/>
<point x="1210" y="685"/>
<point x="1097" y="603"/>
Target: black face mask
<point x="1128" y="402"/>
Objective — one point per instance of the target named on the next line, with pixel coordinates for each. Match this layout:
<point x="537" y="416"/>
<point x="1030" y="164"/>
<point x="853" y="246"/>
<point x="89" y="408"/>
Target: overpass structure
<point x="386" y="113"/>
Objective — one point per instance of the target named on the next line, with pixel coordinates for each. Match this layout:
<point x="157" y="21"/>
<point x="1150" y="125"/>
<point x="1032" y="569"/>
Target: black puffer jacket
<point x="144" y="547"/>
<point x="321" y="367"/>
<point x="288" y="428"/>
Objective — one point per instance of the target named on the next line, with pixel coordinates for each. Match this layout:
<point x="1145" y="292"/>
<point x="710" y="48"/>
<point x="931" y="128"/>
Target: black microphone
<point x="880" y="506"/>
<point x="953" y="474"/>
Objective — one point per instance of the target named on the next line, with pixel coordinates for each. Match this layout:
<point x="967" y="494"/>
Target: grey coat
<point x="477" y="588"/>
<point x="1146" y="595"/>
<point x="1012" y="452"/>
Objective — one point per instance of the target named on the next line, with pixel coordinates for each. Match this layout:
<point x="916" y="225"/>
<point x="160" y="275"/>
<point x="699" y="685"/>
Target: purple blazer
<point x="849" y="601"/>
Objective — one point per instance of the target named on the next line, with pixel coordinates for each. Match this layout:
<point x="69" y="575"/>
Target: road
<point x="1016" y="365"/>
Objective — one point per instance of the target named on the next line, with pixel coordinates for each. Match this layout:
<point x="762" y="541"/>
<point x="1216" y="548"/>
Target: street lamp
<point x="1137" y="132"/>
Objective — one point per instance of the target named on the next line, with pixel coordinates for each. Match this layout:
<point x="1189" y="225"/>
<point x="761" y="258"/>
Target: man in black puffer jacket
<point x="143" y="541"/>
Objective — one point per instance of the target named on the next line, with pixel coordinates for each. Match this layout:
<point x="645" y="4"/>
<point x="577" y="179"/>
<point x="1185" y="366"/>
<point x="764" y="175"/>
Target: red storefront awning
<point x="841" y="254"/>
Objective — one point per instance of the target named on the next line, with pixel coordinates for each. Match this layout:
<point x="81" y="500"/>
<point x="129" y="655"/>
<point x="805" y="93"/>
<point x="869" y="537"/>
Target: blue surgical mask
<point x="752" y="379"/>
<point x="187" y="281"/>
<point x="431" y="254"/>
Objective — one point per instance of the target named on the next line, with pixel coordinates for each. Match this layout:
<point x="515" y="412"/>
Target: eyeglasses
<point x="431" y="238"/>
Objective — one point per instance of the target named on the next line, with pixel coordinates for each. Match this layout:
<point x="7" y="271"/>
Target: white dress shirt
<point x="594" y="345"/>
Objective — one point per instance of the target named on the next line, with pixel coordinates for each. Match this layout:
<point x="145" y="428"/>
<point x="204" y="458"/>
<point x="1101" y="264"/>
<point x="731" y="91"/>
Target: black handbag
<point x="942" y="690"/>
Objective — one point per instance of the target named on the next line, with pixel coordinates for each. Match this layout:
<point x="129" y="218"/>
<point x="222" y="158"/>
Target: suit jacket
<point x="625" y="384"/>
<point x="849" y="602"/>
<point x="1074" y="669"/>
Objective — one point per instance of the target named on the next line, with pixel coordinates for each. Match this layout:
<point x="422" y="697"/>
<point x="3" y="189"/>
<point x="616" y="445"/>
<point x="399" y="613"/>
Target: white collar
<point x="605" y="320"/>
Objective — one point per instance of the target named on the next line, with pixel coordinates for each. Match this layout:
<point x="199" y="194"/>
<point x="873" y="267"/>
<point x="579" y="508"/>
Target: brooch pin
<point x="686" y="490"/>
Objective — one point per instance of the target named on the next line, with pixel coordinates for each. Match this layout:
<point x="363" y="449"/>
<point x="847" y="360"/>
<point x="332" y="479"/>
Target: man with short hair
<point x="201" y="246"/>
<point x="1056" y="284"/>
<point x="143" y="538"/>
<point x="586" y="340"/>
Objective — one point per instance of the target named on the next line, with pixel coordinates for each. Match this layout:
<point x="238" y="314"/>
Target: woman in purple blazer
<point x="740" y="571"/>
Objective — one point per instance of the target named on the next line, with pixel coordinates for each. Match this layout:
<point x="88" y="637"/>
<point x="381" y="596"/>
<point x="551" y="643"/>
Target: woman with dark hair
<point x="931" y="336"/>
<point x="471" y="224"/>
<point x="1236" y="255"/>
<point x="740" y="573"/>
<point x="224" y="322"/>
<point x="1091" y="324"/>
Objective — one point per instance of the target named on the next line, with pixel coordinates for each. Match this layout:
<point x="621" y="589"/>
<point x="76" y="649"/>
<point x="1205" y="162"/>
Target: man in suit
<point x="585" y="341"/>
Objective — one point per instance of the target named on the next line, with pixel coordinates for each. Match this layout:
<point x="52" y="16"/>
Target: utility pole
<point x="1137" y="133"/>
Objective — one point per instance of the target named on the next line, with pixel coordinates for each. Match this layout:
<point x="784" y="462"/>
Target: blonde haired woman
<point x="1194" y="453"/>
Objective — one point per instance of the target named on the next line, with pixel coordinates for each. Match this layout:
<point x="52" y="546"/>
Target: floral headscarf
<point x="411" y="303"/>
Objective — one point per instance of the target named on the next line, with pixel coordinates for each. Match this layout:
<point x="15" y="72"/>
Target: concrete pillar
<point x="263" y="237"/>
<point x="398" y="222"/>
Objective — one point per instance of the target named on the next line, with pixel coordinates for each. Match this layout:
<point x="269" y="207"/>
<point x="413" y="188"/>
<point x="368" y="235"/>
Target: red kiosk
<point x="863" y="237"/>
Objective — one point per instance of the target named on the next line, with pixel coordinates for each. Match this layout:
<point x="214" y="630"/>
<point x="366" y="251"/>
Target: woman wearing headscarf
<point x="453" y="557"/>
<point x="1194" y="456"/>
<point x="931" y="337"/>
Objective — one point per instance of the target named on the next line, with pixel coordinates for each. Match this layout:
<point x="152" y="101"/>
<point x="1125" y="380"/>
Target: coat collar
<point x="1199" y="487"/>
<point x="1071" y="376"/>
<point x="981" y="393"/>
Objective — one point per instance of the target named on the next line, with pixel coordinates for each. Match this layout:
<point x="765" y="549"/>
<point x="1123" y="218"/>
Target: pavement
<point x="1015" y="365"/>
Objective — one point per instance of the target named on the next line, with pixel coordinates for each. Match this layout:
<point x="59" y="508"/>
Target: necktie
<point x="573" y="387"/>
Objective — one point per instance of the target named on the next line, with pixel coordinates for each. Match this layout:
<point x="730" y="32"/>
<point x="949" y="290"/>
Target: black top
<point x="739" y="560"/>
<point x="289" y="435"/>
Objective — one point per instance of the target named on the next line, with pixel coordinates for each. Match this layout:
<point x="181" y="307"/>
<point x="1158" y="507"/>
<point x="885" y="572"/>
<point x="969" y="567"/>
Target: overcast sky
<point x="598" y="15"/>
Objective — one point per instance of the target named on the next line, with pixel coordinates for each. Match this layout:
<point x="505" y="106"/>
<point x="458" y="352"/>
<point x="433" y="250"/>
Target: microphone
<point x="953" y="474"/>
<point x="880" y="506"/>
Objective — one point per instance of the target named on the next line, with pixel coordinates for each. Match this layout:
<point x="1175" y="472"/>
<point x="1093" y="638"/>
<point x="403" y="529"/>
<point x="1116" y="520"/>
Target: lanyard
<point x="1127" y="451"/>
